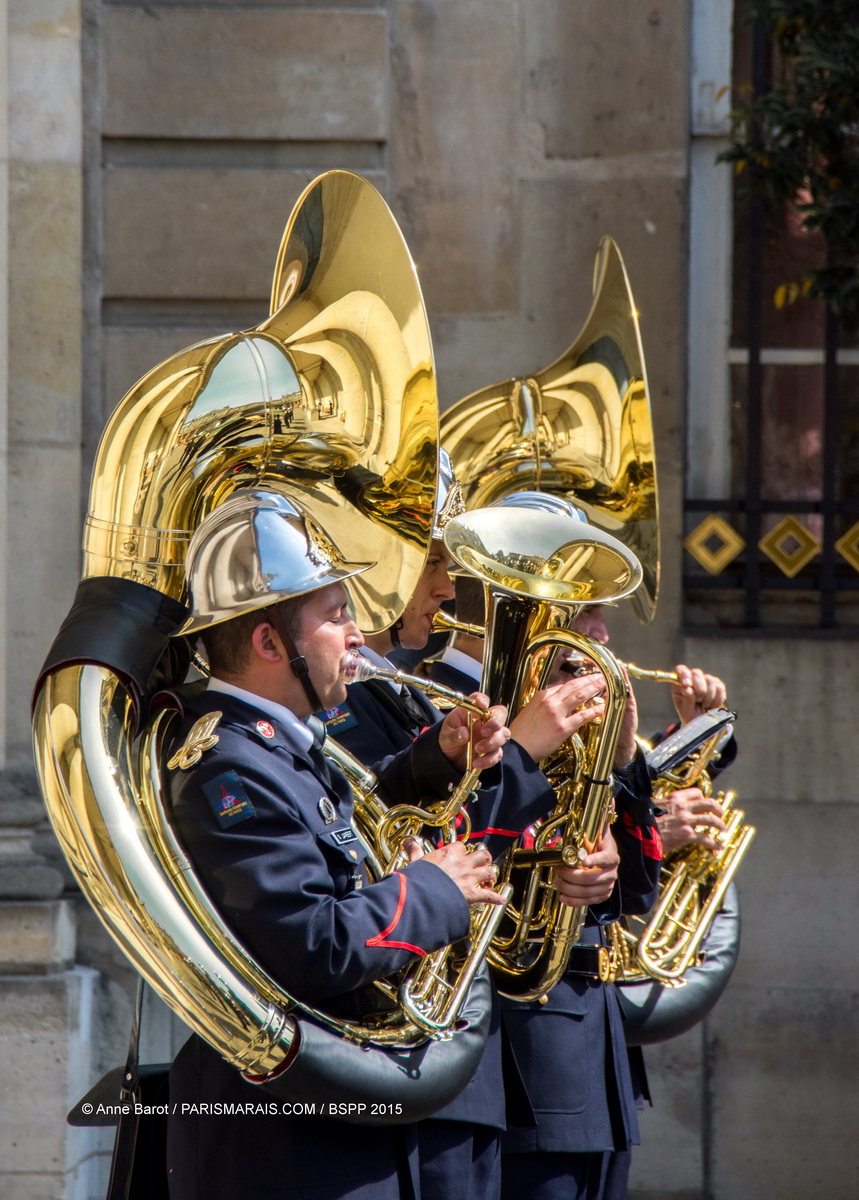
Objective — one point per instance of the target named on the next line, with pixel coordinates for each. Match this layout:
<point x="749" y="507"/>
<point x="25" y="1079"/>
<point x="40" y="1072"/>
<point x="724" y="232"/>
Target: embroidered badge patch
<point x="201" y="737"/>
<point x="265" y="728"/>
<point x="229" y="800"/>
<point x="341" y="836"/>
<point x="327" y="811"/>
<point x="338" y="720"/>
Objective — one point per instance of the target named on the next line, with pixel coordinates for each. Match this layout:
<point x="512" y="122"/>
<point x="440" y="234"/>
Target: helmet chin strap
<point x="297" y="662"/>
<point x="395" y="632"/>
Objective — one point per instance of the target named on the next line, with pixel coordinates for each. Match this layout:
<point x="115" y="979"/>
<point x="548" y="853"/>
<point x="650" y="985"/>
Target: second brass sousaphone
<point x="580" y="429"/>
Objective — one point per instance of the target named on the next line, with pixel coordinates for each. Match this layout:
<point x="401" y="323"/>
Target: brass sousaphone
<point x="581" y="429"/>
<point x="331" y="399"/>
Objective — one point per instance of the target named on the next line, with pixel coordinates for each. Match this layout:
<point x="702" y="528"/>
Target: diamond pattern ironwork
<point x="728" y="545"/>
<point x="848" y="546"/>
<point x="790" y="545"/>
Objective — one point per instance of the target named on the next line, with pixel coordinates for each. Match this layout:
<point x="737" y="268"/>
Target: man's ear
<point x="266" y="643"/>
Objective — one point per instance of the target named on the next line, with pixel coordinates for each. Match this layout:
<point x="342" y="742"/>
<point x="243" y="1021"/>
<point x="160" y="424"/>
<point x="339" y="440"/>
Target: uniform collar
<point x="283" y="715"/>
<point x="462" y="662"/>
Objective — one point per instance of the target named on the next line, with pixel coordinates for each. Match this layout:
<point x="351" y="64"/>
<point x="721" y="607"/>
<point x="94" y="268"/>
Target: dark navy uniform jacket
<point x="498" y="814"/>
<point x="570" y="1050"/>
<point x="275" y="850"/>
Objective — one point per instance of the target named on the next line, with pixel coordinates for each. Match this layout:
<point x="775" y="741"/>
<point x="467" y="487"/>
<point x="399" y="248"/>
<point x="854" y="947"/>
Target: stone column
<point x="46" y="1002"/>
<point x="4" y="334"/>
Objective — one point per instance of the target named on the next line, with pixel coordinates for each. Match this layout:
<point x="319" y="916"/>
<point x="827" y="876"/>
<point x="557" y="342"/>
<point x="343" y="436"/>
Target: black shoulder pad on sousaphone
<point x="580" y="429"/>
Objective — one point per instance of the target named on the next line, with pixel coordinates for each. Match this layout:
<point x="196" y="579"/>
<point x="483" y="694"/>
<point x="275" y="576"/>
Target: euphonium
<point x="693" y="879"/>
<point x="431" y="993"/>
<point x="332" y="401"/>
<point x="691" y="937"/>
<point x="539" y="569"/>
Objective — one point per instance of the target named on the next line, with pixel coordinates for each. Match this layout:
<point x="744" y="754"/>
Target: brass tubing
<point x="443" y="622"/>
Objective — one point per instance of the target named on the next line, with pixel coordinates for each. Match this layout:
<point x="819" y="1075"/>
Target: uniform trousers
<point x="458" y="1161"/>
<point x="555" y="1176"/>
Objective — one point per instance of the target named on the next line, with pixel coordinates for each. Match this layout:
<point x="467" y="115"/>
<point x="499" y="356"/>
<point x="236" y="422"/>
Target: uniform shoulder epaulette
<point x="201" y="737"/>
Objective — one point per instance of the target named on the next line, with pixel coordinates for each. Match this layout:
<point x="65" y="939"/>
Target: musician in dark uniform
<point x="684" y="816"/>
<point x="459" y="1147"/>
<point x="581" y="1145"/>
<point x="268" y="828"/>
<point x="569" y="1046"/>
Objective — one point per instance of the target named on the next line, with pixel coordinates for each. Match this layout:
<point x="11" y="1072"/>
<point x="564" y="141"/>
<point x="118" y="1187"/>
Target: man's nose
<point x="599" y="632"/>
<point x="354" y="637"/>
<point x="446" y="589"/>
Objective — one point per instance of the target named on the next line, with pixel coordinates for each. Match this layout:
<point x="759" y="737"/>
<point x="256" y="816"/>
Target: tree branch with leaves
<point x="796" y="145"/>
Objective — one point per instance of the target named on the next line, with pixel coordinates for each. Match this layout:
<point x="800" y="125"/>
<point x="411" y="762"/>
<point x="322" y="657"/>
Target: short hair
<point x="228" y="644"/>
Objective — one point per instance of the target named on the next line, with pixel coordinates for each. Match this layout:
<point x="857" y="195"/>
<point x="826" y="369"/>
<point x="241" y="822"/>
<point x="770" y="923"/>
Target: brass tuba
<point x="539" y="569"/>
<point x="331" y="400"/>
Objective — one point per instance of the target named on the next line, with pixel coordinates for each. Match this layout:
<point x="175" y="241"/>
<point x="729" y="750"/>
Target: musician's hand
<point x="473" y="872"/>
<point x="555" y="713"/>
<point x="625" y="751"/>
<point x="594" y="880"/>
<point x="691" y="817"/>
<point x="695" y="693"/>
<point x="488" y="737"/>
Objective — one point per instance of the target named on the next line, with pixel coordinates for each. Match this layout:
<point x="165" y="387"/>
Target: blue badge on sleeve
<point x="228" y="799"/>
<point x="338" y="720"/>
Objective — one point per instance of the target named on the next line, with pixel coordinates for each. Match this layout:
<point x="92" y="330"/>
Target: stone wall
<point x="149" y="157"/>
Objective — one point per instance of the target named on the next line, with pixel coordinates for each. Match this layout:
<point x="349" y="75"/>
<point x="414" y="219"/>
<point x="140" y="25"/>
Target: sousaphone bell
<point x="581" y="429"/>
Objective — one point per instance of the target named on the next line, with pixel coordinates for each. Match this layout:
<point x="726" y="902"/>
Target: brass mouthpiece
<point x="357" y="668"/>
<point x="443" y="622"/>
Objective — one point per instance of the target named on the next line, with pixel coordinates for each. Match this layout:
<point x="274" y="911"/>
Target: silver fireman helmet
<point x="256" y="549"/>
